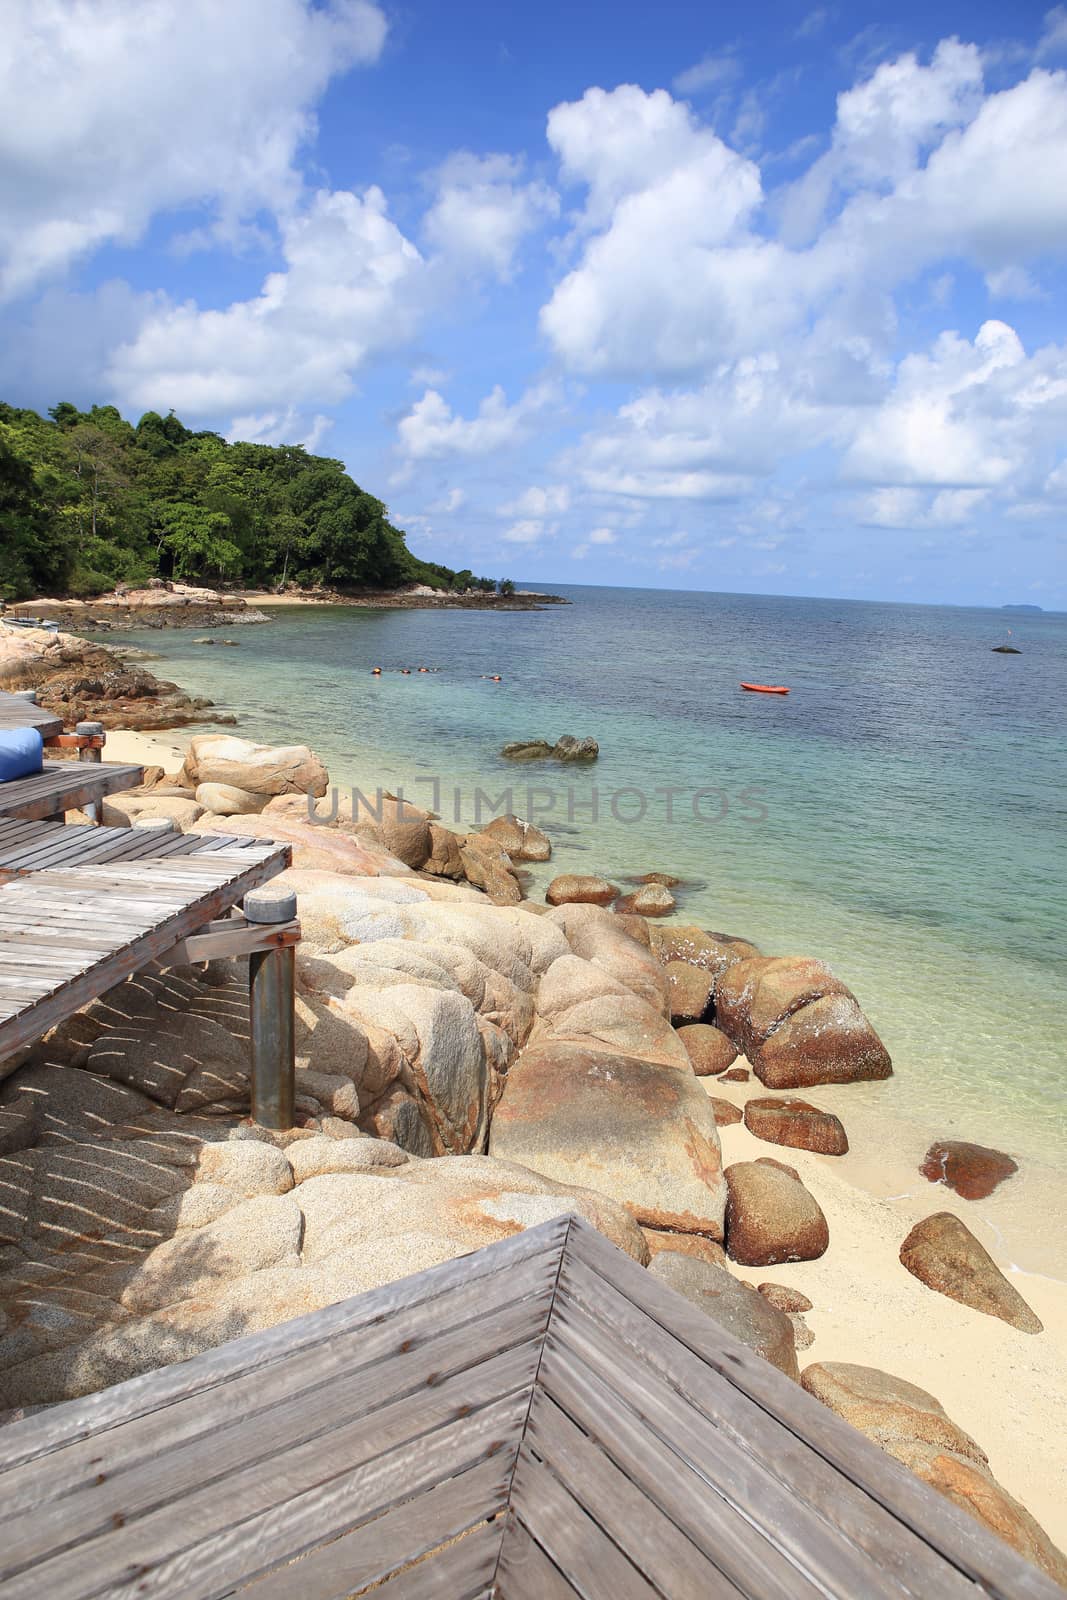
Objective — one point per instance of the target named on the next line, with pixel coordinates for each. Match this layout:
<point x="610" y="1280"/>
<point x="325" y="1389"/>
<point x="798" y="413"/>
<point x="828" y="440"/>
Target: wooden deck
<point x="540" y="1419"/>
<point x="37" y="846"/>
<point x="18" y="713"/>
<point x="65" y="786"/>
<point x="70" y="933"/>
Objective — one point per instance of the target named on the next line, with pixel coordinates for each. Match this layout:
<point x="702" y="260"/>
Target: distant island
<point x="90" y="502"/>
<point x="1022" y="608"/>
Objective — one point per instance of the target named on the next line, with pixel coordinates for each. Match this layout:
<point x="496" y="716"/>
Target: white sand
<point x="1007" y="1389"/>
<point x="166" y="749"/>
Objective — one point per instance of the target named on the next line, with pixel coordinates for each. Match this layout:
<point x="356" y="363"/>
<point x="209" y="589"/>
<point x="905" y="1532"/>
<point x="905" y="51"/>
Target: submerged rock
<point x="653" y="900"/>
<point x="566" y="748"/>
<point x="943" y="1253"/>
<point x="972" y="1170"/>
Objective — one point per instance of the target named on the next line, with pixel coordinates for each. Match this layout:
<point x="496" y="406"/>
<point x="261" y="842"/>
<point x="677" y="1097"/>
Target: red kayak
<point x="765" y="688"/>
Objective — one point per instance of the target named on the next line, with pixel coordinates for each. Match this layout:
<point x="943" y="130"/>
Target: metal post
<point x="271" y="998"/>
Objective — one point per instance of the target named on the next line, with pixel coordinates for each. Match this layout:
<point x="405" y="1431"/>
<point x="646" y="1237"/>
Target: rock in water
<point x="797" y="1124"/>
<point x="568" y="748"/>
<point x="945" y="1255"/>
<point x="572" y="888"/>
<point x="690" y="991"/>
<point x="641" y="1133"/>
<point x="972" y="1170"/>
<point x="911" y="1425"/>
<point x="771" y="1217"/>
<point x="653" y="900"/>
<point x="736" y="1307"/>
<point x="797" y="1023"/>
<point x="521" y="840"/>
<point x="710" y="1051"/>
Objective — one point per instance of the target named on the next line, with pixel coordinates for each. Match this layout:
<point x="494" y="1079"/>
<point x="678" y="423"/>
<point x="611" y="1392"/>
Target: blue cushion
<point x="21" y="753"/>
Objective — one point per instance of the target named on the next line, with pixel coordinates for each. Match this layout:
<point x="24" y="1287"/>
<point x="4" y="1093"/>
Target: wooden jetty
<point x="540" y="1420"/>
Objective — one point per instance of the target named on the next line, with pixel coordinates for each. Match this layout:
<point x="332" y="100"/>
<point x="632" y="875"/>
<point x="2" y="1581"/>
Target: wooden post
<point x="271" y="997"/>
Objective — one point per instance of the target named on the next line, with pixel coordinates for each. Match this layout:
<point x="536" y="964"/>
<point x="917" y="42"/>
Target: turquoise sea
<point x="900" y="814"/>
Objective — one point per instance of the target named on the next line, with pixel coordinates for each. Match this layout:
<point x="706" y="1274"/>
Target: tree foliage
<point x="87" y="500"/>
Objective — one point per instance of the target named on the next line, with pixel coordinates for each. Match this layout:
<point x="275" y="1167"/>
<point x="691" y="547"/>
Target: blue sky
<point x="755" y="298"/>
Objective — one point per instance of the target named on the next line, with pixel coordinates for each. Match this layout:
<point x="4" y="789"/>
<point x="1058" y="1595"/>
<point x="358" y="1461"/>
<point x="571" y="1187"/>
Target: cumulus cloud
<point x="117" y="111"/>
<point x="431" y="430"/>
<point x="483" y="211"/>
<point x="537" y="501"/>
<point x="281" y="427"/>
<point x="351" y="287"/>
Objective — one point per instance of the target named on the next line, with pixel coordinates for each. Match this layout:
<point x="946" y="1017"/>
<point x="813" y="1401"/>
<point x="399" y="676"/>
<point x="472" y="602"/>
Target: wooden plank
<point x="227" y="1533"/>
<point x="643" y="1529"/>
<point x="65" y="786"/>
<point x="935" y="1520"/>
<point x="525" y="1571"/>
<point x="447" y="1372"/>
<point x="18" y="713"/>
<point x="375" y="1316"/>
<point x="463" y="1571"/>
<point x="760" y="1459"/>
<point x="594" y="1565"/>
<point x="377" y="1549"/>
<point x="769" y="1544"/>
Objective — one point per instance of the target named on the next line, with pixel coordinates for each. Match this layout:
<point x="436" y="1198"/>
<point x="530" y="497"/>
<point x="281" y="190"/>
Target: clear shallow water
<point x="912" y="783"/>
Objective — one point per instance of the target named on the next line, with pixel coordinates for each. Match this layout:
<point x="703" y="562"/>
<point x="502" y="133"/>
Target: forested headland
<point x="89" y="500"/>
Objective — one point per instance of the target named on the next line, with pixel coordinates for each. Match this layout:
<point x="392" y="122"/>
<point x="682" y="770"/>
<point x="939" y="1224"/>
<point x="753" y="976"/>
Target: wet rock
<point x="725" y="1112"/>
<point x="788" y="1300"/>
<point x="653" y="900"/>
<point x="641" y="1133"/>
<point x="736" y="1307"/>
<point x="911" y="1425"/>
<point x="690" y="991"/>
<point x="521" y="840"/>
<point x="972" y="1170"/>
<point x="944" y="1254"/>
<point x="572" y="888"/>
<point x="667" y="879"/>
<point x="771" y="1217"/>
<point x="568" y="748"/>
<point x="527" y="750"/>
<point x="797" y="1023"/>
<point x="798" y="1124"/>
<point x="709" y="1050"/>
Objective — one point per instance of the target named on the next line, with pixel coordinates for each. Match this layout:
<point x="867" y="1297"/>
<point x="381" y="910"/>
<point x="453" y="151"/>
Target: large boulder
<point x="797" y="1023"/>
<point x="641" y="1133"/>
<point x="911" y="1425"/>
<point x="258" y="768"/>
<point x="598" y="936"/>
<point x="736" y="1307"/>
<point x="972" y="1170"/>
<point x="393" y="825"/>
<point x="488" y="866"/>
<point x="315" y="848"/>
<point x="521" y="840"/>
<point x="574" y="888"/>
<point x="796" y="1123"/>
<point x="943" y="1253"/>
<point x="771" y="1217"/>
<point x="578" y="1000"/>
<point x="445" y="859"/>
<point x="715" y="953"/>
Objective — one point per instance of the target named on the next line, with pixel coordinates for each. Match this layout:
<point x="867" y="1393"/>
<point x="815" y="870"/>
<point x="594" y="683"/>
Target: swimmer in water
<point x="375" y="672"/>
<point x="405" y="672"/>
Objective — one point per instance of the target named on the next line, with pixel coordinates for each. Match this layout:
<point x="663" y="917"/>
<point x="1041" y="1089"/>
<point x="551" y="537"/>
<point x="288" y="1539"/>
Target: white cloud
<point x="351" y="287"/>
<point x="529" y="531"/>
<point x="603" y="536"/>
<point x="281" y="427"/>
<point x="450" y="502"/>
<point x="1053" y="41"/>
<point x="483" y="211"/>
<point x="116" y="111"/>
<point x="1013" y="283"/>
<point x="538" y="502"/>
<point x="431" y="430"/>
<point x="710" y="72"/>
